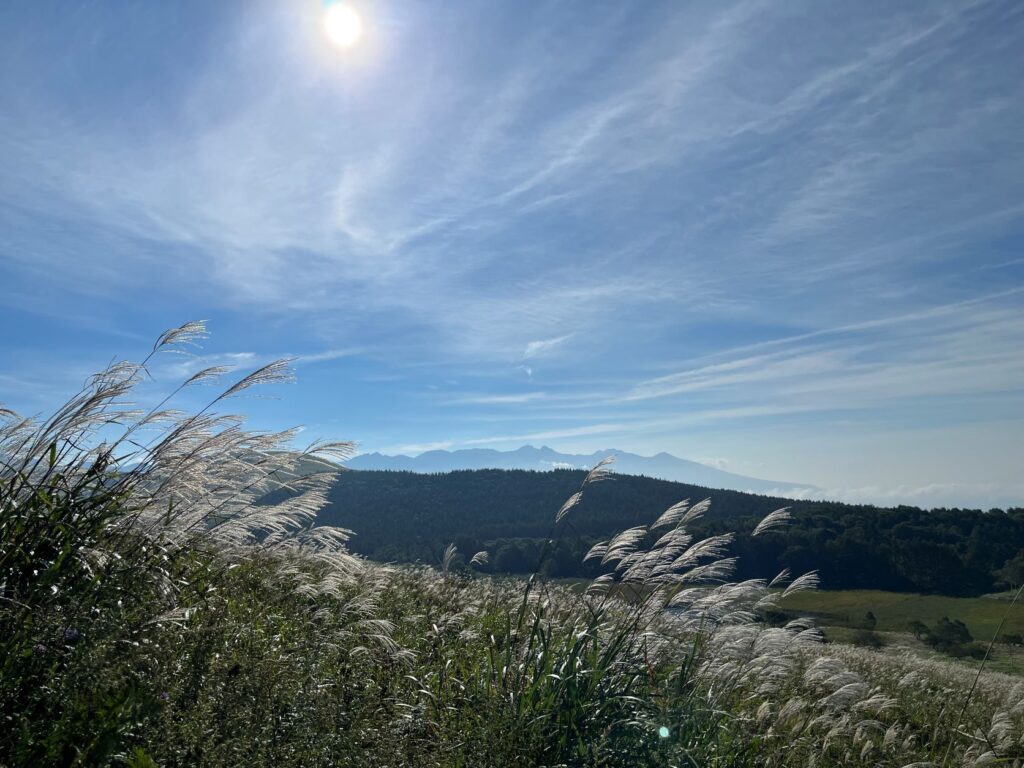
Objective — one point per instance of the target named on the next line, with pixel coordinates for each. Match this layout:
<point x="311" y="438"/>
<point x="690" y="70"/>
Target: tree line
<point x="409" y="517"/>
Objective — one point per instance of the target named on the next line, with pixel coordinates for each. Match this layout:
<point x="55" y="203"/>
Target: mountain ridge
<point x="663" y="466"/>
<point x="404" y="517"/>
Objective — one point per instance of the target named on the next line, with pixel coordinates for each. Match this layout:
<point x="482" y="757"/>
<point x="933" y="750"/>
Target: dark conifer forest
<point x="408" y="517"/>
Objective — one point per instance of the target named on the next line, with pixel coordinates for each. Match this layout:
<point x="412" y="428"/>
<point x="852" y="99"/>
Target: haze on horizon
<point x="780" y="239"/>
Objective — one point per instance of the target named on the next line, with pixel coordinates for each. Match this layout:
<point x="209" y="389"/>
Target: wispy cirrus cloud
<point x="544" y="346"/>
<point x="517" y="399"/>
<point x="686" y="217"/>
<point x="963" y="348"/>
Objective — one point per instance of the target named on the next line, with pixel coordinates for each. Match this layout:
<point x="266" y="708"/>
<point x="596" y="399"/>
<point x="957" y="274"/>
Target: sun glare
<point x="343" y="25"/>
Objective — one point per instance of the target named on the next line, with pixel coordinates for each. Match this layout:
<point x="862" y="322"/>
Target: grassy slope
<point x="895" y="610"/>
<point x="159" y="616"/>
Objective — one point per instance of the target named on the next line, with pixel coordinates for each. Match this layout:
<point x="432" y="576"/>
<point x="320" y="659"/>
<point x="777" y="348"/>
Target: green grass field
<point x="895" y="610"/>
<point x="841" y="613"/>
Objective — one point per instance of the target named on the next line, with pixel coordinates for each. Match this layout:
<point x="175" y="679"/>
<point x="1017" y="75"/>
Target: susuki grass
<point x="156" y="609"/>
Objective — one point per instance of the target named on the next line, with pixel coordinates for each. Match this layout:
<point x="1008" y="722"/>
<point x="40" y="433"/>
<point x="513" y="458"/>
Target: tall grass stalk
<point x="115" y="521"/>
<point x="166" y="598"/>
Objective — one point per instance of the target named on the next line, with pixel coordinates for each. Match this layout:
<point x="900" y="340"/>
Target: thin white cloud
<point x="183" y="365"/>
<point x="516" y="399"/>
<point x="544" y="346"/>
<point x="415" y="449"/>
<point x="716" y="462"/>
<point x="968" y="495"/>
<point x="967" y="348"/>
<point x="326" y="355"/>
<point x="551" y="434"/>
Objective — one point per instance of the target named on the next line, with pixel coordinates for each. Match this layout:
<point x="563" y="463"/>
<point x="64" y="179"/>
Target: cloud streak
<point x="655" y="219"/>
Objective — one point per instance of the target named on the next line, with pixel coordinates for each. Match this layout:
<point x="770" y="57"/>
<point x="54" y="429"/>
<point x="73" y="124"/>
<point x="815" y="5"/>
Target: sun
<point x="343" y="25"/>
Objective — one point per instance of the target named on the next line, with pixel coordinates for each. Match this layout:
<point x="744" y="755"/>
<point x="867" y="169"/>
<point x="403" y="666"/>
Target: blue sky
<point x="781" y="238"/>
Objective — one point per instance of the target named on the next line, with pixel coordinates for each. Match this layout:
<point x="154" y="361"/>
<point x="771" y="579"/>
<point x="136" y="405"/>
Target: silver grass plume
<point x="448" y="558"/>
<point x="600" y="472"/>
<point x="480" y="558"/>
<point x="183" y="481"/>
<point x="776" y="519"/>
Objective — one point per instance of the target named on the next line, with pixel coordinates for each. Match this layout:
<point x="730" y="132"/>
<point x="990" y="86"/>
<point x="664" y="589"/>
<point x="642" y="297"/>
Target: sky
<point x="784" y="239"/>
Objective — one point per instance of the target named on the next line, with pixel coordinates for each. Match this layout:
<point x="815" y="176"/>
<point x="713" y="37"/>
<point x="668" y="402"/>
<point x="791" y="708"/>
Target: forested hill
<point x="408" y="517"/>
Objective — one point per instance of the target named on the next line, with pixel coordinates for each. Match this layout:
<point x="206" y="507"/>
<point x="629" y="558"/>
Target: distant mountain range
<point x="662" y="465"/>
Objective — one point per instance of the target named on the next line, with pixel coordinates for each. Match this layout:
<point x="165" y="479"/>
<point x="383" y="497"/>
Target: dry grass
<point x="155" y="612"/>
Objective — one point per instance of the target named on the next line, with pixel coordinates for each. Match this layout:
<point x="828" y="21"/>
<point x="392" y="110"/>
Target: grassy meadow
<point x="894" y="611"/>
<point x="154" y="611"/>
<point x="842" y="617"/>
